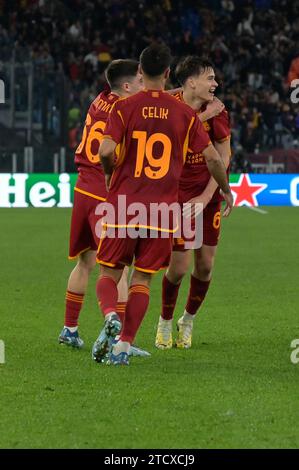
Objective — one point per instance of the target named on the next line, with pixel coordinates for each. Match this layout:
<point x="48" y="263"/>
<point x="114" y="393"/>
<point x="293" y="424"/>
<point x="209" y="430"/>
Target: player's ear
<point x="126" y="87"/>
<point x="167" y="73"/>
<point x="191" y="82"/>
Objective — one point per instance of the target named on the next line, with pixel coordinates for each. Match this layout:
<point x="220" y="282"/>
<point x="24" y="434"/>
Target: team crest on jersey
<point x="206" y="126"/>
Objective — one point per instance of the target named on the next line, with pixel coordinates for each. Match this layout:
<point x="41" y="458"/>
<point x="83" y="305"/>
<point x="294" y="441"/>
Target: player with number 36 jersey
<point x="124" y="79"/>
<point x="91" y="179"/>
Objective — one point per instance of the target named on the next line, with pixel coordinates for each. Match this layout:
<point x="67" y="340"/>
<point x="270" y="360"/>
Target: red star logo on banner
<point x="245" y="191"/>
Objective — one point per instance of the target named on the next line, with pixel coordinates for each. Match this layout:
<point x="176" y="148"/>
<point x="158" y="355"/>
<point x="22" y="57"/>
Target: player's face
<point x="205" y="85"/>
<point x="136" y="84"/>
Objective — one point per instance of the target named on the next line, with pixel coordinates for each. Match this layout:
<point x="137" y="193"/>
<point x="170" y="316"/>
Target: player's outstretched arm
<point x="218" y="171"/>
<point x="224" y="149"/>
<point x="107" y="149"/>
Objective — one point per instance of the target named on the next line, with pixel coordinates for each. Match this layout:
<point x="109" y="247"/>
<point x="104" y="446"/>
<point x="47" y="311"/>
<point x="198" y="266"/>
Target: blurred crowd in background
<point x="254" y="45"/>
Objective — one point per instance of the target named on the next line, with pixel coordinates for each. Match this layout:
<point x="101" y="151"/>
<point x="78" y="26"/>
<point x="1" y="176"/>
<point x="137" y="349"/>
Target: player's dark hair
<point x="119" y="71"/>
<point x="155" y="59"/>
<point x="190" y="66"/>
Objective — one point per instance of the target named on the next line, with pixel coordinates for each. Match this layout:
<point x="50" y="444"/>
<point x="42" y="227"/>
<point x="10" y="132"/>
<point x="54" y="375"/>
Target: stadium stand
<point x="53" y="54"/>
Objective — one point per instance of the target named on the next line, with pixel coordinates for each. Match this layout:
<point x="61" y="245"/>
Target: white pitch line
<point x="256" y="209"/>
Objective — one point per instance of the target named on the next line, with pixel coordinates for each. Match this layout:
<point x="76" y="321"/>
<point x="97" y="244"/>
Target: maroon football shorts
<point x="151" y="254"/>
<point x="83" y="235"/>
<point x="211" y="227"/>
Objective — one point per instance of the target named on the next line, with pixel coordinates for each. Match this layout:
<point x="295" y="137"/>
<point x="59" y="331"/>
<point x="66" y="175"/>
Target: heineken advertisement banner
<point x="37" y="189"/>
<point x="265" y="189"/>
<point x="54" y="190"/>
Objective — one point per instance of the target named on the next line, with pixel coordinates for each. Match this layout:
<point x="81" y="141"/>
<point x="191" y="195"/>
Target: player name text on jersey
<point x="154" y="112"/>
<point x="104" y="106"/>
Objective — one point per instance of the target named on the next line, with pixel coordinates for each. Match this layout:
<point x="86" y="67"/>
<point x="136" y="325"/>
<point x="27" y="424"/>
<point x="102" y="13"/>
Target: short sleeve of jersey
<point x="221" y="126"/>
<point x="199" y="139"/>
<point x="114" y="128"/>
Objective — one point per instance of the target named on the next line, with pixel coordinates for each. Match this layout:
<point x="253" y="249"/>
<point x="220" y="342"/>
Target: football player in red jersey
<point x="197" y="78"/>
<point x="124" y="80"/>
<point x="155" y="131"/>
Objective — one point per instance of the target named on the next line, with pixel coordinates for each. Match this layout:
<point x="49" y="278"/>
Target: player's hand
<point x="107" y="181"/>
<point x="214" y="108"/>
<point x="195" y="206"/>
<point x="228" y="197"/>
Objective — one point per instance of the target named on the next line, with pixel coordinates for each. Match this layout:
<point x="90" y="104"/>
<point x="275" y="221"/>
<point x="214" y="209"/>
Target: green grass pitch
<point x="236" y="387"/>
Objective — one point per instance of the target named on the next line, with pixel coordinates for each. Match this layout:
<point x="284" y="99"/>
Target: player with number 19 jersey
<point x="155" y="131"/>
<point x="90" y="188"/>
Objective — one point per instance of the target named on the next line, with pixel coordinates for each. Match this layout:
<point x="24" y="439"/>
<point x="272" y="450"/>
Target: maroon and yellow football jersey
<point x="155" y="131"/>
<point x="91" y="180"/>
<point x="195" y="175"/>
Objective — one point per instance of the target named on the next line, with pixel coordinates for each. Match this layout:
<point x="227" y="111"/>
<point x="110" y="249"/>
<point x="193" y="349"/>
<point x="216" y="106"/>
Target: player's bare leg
<point x="76" y="288"/>
<point x="79" y="276"/>
<point x="122" y="285"/>
<point x="204" y="258"/>
<point x="178" y="267"/>
<point x="122" y="288"/>
<point x="135" y="311"/>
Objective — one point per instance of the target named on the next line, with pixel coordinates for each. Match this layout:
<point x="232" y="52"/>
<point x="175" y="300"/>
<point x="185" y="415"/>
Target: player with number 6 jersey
<point x="197" y="78"/>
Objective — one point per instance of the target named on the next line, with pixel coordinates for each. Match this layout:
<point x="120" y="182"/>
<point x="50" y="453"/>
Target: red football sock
<point x="107" y="294"/>
<point x="169" y="295"/>
<point x="197" y="293"/>
<point x="135" y="310"/>
<point x="73" y="305"/>
<point x="120" y="310"/>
